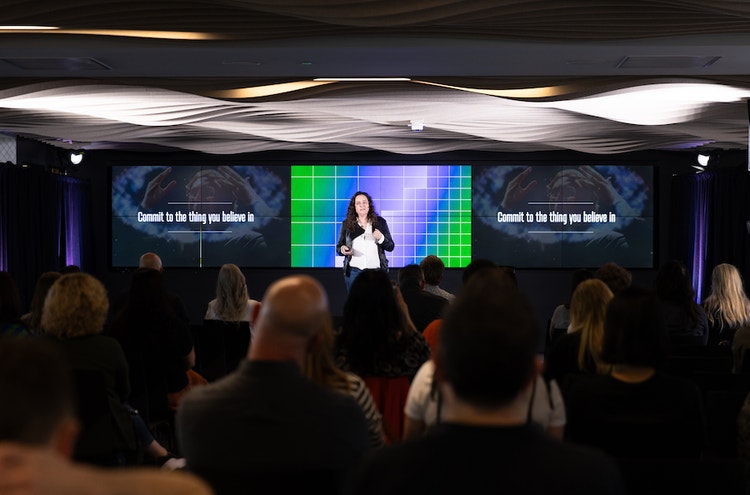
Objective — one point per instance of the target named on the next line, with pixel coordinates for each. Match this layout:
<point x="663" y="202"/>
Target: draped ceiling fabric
<point x="219" y="115"/>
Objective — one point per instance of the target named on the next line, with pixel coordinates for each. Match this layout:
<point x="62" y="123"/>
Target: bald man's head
<point x="150" y="260"/>
<point x="294" y="306"/>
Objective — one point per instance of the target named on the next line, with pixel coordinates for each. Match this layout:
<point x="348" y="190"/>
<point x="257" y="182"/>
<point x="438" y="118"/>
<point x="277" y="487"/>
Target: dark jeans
<point x="349" y="280"/>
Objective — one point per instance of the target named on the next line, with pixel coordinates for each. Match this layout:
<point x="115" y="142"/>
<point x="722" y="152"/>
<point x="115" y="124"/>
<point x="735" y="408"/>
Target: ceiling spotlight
<point x="416" y="125"/>
<point x="76" y="157"/>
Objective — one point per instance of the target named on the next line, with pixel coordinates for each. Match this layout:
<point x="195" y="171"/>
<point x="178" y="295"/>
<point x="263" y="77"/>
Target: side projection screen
<point x="564" y="216"/>
<point x="195" y="216"/>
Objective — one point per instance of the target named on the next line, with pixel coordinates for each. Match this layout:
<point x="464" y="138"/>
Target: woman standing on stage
<point x="363" y="239"/>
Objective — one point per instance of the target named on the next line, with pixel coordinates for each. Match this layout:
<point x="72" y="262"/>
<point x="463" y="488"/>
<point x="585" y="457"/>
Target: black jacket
<point x="346" y="237"/>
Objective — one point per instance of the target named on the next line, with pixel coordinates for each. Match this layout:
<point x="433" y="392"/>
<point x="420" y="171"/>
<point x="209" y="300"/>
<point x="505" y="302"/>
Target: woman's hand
<point x="345" y="250"/>
<point x="377" y="235"/>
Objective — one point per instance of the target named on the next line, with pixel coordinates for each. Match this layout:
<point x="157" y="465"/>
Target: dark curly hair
<point x="351" y="212"/>
<point x="371" y="322"/>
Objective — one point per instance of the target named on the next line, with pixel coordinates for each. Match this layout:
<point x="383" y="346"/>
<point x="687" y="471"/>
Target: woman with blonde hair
<point x="232" y="302"/>
<point x="727" y="306"/>
<point x="579" y="350"/>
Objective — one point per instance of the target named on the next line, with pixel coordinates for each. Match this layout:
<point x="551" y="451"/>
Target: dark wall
<point x="547" y="288"/>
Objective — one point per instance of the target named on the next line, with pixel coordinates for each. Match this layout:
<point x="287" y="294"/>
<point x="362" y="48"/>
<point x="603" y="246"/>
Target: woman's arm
<point x="387" y="243"/>
<point x="342" y="239"/>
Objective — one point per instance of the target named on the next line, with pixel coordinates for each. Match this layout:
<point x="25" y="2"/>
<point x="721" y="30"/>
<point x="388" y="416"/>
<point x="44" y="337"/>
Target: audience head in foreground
<point x="294" y="310"/>
<point x="485" y="368"/>
<point x="267" y="426"/>
<point x="476" y="348"/>
<point x="38" y="430"/>
<point x="635" y="334"/>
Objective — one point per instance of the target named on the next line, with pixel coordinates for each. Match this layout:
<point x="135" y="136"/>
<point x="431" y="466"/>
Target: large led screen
<point x="201" y="216"/>
<point x="565" y="216"/>
<point x="427" y="207"/>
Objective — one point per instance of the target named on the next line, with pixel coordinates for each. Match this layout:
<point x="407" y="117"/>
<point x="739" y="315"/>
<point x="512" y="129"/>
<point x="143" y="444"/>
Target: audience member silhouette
<point x="579" y="351"/>
<point x="486" y="365"/>
<point x="616" y="277"/>
<point x="423" y="306"/>
<point x="74" y="313"/>
<point x="10" y="308"/>
<point x="266" y="427"/>
<point x="431" y="333"/>
<point x="232" y="303"/>
<point x="422" y="409"/>
<point x="33" y="318"/>
<point x="560" y="320"/>
<point x="321" y="368"/>
<point x="423" y="405"/>
<point x="727" y="305"/>
<point x="375" y="338"/>
<point x="157" y="343"/>
<point x="687" y="323"/>
<point x="39" y="428"/>
<point x="433" y="269"/>
<point x="153" y="261"/>
<point x="636" y="411"/>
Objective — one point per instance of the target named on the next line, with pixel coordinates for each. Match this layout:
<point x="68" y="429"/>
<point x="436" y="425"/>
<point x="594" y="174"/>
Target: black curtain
<point x="45" y="224"/>
<point x="708" y="223"/>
